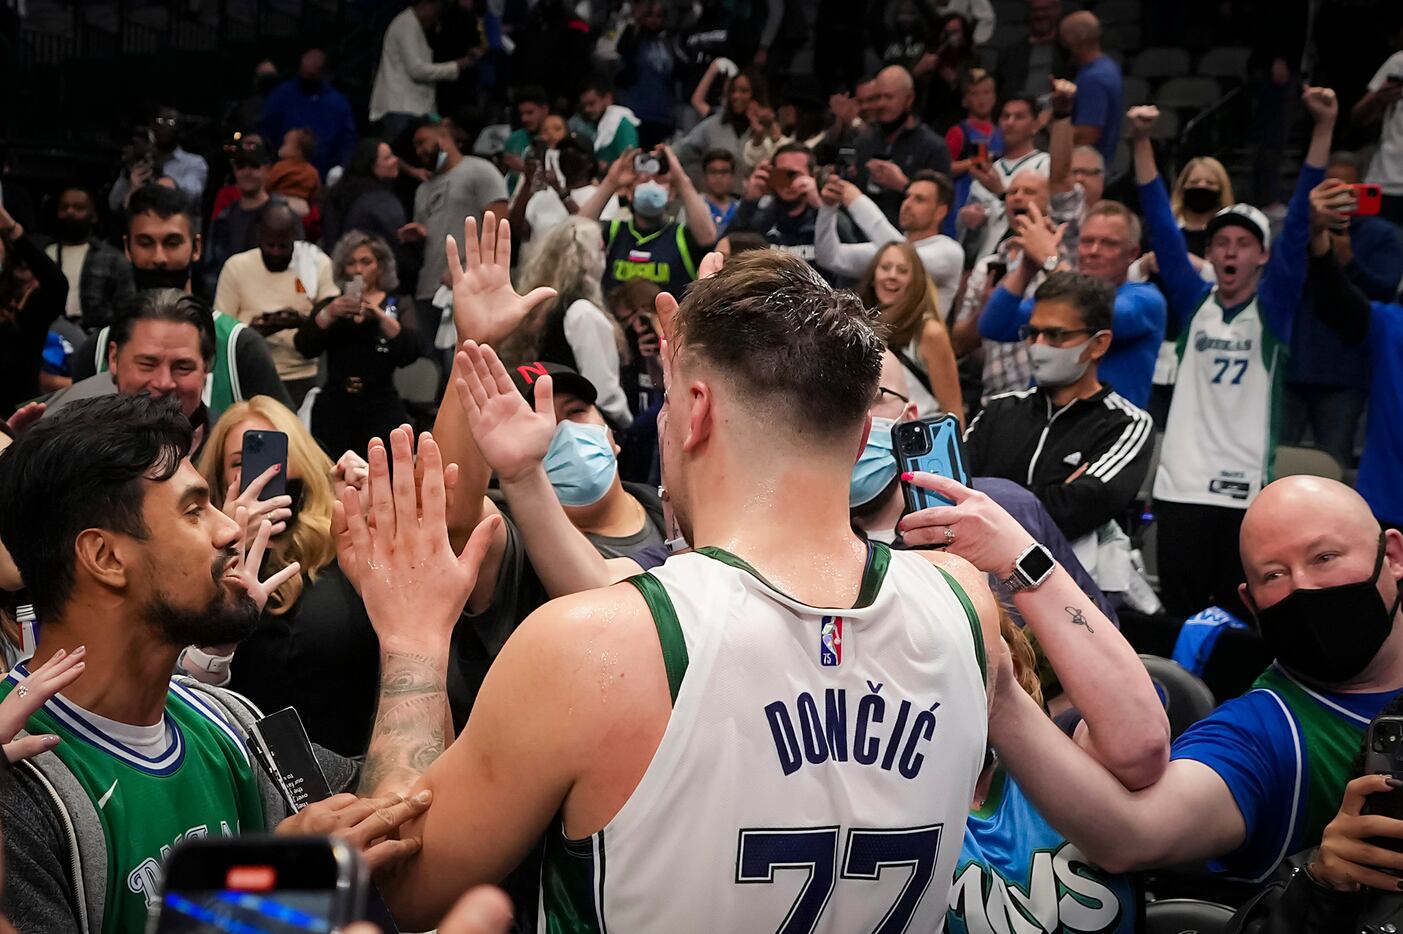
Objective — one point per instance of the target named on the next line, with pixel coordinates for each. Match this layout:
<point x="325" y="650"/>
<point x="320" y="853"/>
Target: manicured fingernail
<point x="277" y="468"/>
<point x="1394" y="782"/>
<point x="80" y="650"/>
<point x="50" y="741"/>
<point x="907" y="477"/>
<point x="424" y="796"/>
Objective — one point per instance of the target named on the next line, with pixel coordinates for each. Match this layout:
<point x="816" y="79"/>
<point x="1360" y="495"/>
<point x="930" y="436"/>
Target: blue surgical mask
<point x="876" y="465"/>
<point x="580" y="463"/>
<point x="442" y="158"/>
<point x="649" y="199"/>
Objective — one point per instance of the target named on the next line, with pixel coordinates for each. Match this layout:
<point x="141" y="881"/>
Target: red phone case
<point x="1368" y="200"/>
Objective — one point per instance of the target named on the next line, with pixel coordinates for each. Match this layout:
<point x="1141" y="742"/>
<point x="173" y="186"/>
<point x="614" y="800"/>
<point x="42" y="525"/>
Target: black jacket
<point x="1019" y="436"/>
<point x="1301" y="905"/>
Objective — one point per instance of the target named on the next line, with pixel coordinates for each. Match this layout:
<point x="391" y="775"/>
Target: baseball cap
<point x="250" y="149"/>
<point x="1241" y="215"/>
<point x="563" y="380"/>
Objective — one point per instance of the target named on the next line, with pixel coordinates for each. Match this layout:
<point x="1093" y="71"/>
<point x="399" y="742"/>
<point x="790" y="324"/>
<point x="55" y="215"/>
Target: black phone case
<point x="1379" y="760"/>
<point x="261" y="450"/>
<point x="945" y="458"/>
<point x="282" y="744"/>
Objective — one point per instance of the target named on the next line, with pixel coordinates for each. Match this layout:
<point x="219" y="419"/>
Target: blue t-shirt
<point x="1285" y="752"/>
<point x="1101" y="102"/>
<point x="1014" y="867"/>
<point x="1381" y="466"/>
<point x="1137" y="330"/>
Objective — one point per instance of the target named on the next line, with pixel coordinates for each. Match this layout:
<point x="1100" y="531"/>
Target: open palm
<point x="512" y="438"/>
<point x="486" y="308"/>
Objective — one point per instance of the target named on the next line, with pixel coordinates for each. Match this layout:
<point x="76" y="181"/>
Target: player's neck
<point x="885" y="518"/>
<point x="126" y="671"/>
<point x="791" y="523"/>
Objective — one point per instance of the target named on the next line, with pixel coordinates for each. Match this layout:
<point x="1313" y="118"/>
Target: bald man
<point x="895" y="144"/>
<point x="273" y="288"/>
<point x="1260" y="778"/>
<point x="1100" y="91"/>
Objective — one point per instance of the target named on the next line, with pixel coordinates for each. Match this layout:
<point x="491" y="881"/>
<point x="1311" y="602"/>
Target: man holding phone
<point x="1384" y="104"/>
<point x="781" y="201"/>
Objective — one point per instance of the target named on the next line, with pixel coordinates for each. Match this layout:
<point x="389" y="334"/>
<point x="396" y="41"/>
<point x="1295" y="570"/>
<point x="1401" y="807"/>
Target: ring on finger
<point x="22" y="691"/>
<point x="949" y="536"/>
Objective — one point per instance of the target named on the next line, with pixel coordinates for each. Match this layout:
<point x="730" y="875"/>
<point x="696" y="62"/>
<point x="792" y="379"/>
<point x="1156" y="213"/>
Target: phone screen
<point x="932" y="445"/>
<point x="261" y="450"/>
<point x="288" y="911"/>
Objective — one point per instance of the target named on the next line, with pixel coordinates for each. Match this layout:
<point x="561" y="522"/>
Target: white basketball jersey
<point x="817" y="769"/>
<point x="1221" y="432"/>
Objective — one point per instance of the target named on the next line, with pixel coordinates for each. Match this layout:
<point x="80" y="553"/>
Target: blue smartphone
<point x="935" y="446"/>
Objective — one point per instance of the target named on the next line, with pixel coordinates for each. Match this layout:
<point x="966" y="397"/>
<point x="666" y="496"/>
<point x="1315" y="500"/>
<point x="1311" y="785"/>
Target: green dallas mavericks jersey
<point x="222" y="385"/>
<point x="1286" y="752"/>
<point x="202" y="785"/>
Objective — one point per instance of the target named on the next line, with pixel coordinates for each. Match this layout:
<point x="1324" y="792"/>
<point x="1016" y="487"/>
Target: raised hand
<point x="399" y="557"/>
<point x="1349" y="854"/>
<point x="485" y="306"/>
<point x="512" y="438"/>
<point x="976" y="528"/>
<point x="1330" y="204"/>
<point x="249" y="561"/>
<point x="1321" y="103"/>
<point x="29" y="695"/>
<point x="277" y="510"/>
<point x="1142" y="120"/>
<point x="1064" y="95"/>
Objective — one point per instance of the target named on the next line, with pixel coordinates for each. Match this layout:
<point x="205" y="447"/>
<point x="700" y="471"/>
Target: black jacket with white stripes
<point x="1085" y="461"/>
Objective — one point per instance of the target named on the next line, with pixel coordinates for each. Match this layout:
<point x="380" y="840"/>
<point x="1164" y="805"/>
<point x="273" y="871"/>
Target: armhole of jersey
<point x="670" y="638"/>
<point x="974" y="628"/>
<point x="685" y="253"/>
<point x="613" y="232"/>
<point x="100" y="350"/>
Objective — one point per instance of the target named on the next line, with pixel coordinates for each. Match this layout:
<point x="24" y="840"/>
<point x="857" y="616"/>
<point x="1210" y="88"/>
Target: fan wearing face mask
<point x="1072" y="440"/>
<point x="652" y="245"/>
<point x="99" y="280"/>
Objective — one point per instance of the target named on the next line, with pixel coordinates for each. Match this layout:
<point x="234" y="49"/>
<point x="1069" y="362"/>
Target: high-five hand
<point x="512" y="438"/>
<point x="248" y="561"/>
<point x="485" y="306"/>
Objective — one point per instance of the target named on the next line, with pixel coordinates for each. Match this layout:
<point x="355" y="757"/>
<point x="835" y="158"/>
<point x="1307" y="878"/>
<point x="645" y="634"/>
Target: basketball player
<point x="697" y="752"/>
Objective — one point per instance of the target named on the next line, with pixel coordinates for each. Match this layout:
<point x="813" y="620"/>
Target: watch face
<point x="1036" y="564"/>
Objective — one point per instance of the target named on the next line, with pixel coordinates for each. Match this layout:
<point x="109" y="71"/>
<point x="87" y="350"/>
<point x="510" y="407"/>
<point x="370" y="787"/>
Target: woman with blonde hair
<point x="573" y="329"/>
<point x="897" y="287"/>
<point x="1202" y="189"/>
<point x="314" y="648"/>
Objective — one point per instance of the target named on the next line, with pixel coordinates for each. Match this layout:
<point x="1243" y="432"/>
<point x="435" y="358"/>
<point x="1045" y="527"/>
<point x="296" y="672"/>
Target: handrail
<point x="1209" y="117"/>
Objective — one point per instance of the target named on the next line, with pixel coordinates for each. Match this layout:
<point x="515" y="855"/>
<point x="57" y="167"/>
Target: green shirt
<point x="201" y="784"/>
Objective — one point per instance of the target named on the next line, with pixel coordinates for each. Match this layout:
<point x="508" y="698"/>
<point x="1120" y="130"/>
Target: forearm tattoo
<point x="1079" y="618"/>
<point x="410" y="723"/>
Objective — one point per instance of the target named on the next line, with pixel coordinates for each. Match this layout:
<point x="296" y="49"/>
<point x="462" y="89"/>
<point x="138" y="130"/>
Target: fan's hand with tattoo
<point x="976" y="528"/>
<point x="34" y="691"/>
<point x="413" y="585"/>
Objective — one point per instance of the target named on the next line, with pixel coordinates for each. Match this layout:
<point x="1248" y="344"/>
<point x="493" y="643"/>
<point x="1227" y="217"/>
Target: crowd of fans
<point x="590" y="336"/>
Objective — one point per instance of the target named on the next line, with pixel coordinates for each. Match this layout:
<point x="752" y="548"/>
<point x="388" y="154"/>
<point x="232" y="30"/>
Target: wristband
<point x="212" y="664"/>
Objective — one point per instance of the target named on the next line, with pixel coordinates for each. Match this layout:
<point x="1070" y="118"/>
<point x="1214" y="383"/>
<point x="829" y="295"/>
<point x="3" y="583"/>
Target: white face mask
<point x="1058" y="366"/>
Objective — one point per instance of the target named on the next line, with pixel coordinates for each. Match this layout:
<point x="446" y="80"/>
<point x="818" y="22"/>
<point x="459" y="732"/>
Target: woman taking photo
<point x="366" y="333"/>
<point x="574" y="329"/>
<point x="896" y="285"/>
<point x="314" y="648"/>
<point x="362" y="199"/>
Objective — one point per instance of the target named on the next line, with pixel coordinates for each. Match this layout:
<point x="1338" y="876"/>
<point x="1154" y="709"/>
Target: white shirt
<point x="592" y="339"/>
<point x="1386" y="169"/>
<point x="997" y="224"/>
<point x="404" y="82"/>
<point x="942" y="257"/>
<point x="71" y="261"/>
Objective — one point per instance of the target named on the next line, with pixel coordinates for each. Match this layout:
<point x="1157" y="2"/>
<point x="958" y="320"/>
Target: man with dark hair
<point x="789" y="211"/>
<point x="764" y="357"/>
<point x="612" y="127"/>
<point x="983" y="209"/>
<point x="1072" y="440"/>
<point x="234" y="229"/>
<point x="274" y="286"/>
<point x="128" y="562"/>
<point x="922" y="213"/>
<point x="404" y="82"/>
<point x="163" y="244"/>
<point x="895" y="144"/>
<point x="532" y="108"/>
<point x="718" y="181"/>
<point x="99" y="277"/>
<point x="163" y="159"/>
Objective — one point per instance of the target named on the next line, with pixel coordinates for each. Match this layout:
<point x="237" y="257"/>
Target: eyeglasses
<point x="1054" y="336"/>
<point x="166" y="121"/>
<point x="884" y="391"/>
<point x="1091" y="172"/>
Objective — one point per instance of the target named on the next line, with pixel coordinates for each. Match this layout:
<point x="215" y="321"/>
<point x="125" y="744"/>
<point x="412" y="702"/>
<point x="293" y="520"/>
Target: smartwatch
<point x="1051" y="263"/>
<point x="1034" y="566"/>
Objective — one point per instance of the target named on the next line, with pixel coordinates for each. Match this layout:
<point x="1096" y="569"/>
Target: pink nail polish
<point x="907" y="476"/>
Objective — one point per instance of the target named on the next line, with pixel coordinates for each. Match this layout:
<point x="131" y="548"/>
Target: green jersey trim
<point x="975" y="629"/>
<point x="874" y="572"/>
<point x="572" y="884"/>
<point x="670" y="638"/>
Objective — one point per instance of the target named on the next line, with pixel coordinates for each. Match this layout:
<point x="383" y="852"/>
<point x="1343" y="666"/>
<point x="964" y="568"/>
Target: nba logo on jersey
<point x="830" y="642"/>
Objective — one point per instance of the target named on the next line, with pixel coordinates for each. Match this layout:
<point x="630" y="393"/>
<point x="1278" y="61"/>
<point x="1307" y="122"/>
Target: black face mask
<point x="73" y="229"/>
<point x="1331" y="634"/>
<point x="174" y="278"/>
<point x="310" y="86"/>
<point x="891" y="126"/>
<point x="1201" y="200"/>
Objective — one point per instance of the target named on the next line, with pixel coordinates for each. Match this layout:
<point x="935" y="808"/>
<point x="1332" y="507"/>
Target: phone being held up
<point x="1383" y="755"/>
<point x="261" y="450"/>
<point x="932" y="445"/>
